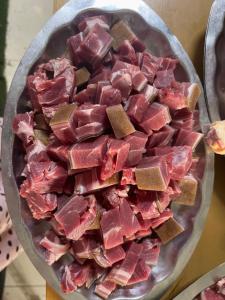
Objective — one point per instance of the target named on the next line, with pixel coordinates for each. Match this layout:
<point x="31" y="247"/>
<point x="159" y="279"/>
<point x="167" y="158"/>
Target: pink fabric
<point x="9" y="244"/>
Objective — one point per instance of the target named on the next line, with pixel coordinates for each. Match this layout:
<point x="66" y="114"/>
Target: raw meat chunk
<point x="87" y="95"/>
<point x="115" y="158"/>
<point x="189" y="138"/>
<point x="111" y="228"/>
<point x="110" y="96"/>
<point x="114" y="195"/>
<point x="161" y="138"/>
<point x="150" y="92"/>
<point x="82" y="76"/>
<point x="121" y="274"/>
<point x="137" y="107"/>
<point x="45" y="177"/>
<point x="119" y="120"/>
<point x="152" y="174"/>
<point x="141" y="273"/>
<point x="127" y="53"/>
<point x="121" y="32"/>
<point x="180" y="95"/>
<point x="128" y="177"/>
<point x="89" y="22"/>
<point x="54" y="246"/>
<point x="179" y="158"/>
<point x="74" y="43"/>
<point x="95" y="45"/>
<point x="90" y="181"/>
<point x="77" y="215"/>
<point x="23" y="125"/>
<point x="63" y="123"/>
<point x="105" y="288"/>
<point x="156" y="117"/>
<point x="41" y="205"/>
<point x="188" y="186"/>
<point x="129" y="222"/>
<point x="169" y="230"/>
<point x="88" y="154"/>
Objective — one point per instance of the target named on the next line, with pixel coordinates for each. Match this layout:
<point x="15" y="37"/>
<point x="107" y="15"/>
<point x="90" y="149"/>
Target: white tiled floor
<point x="23" y="282"/>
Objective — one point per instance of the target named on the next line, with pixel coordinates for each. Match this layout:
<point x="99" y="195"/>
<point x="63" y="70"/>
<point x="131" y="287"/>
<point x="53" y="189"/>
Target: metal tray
<point x="214" y="62"/>
<point x="202" y="283"/>
<point x="50" y="42"/>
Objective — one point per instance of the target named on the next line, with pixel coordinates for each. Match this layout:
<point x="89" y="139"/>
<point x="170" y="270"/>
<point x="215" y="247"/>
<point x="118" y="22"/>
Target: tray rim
<point x="61" y="18"/>
<point x="202" y="283"/>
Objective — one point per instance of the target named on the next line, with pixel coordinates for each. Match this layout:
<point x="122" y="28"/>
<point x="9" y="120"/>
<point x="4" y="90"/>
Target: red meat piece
<point x="45" y="177"/>
<point x="91" y="113"/>
<point x="129" y="222"/>
<point x="137" y="107"/>
<point x="58" y="152"/>
<point x="41" y="206"/>
<point x="89" y="22"/>
<point x="150" y="253"/>
<point x="95" y="45"/>
<point x="141" y="273"/>
<point x="77" y="215"/>
<point x="189" y="138"/>
<point x="105" y="288"/>
<point x="164" y="216"/>
<point x="127" y="53"/>
<point x="114" y="195"/>
<point x="111" y="228"/>
<point x="87" y="95"/>
<point x="164" y="79"/>
<point x="146" y="204"/>
<point x="88" y="154"/>
<point x="121" y="274"/>
<point x="128" y="177"/>
<point x="23" y="127"/>
<point x="179" y="158"/>
<point x="156" y="117"/>
<point x="74" y="276"/>
<point x="161" y="138"/>
<point x="54" y="247"/>
<point x="115" y="158"/>
<point x="74" y="43"/>
<point x="90" y="181"/>
<point x="110" y="96"/>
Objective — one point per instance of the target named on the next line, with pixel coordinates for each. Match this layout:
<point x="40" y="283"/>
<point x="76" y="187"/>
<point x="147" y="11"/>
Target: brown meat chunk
<point x="121" y="32"/>
<point x="152" y="174"/>
<point x="169" y="230"/>
<point x="188" y="186"/>
<point x="82" y="76"/>
<point x="119" y="120"/>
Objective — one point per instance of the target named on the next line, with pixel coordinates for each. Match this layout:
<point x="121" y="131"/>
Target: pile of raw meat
<point x="109" y="146"/>
<point x="215" y="292"/>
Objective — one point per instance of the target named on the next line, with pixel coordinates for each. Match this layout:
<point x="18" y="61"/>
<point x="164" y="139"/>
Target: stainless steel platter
<point x="50" y="43"/>
<point x="215" y="62"/>
<point x="202" y="283"/>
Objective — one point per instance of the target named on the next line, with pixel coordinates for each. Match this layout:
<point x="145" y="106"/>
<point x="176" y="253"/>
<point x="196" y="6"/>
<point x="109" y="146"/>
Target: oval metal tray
<point x="214" y="62"/>
<point x="202" y="283"/>
<point x="50" y="43"/>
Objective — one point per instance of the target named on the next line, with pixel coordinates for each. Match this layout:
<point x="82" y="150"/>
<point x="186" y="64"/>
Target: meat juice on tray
<point x="109" y="145"/>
